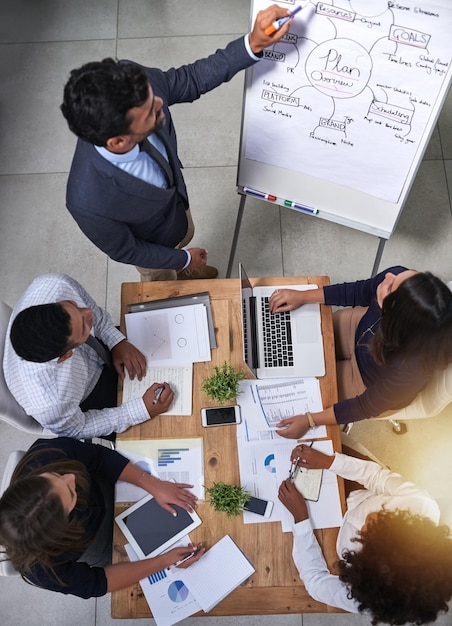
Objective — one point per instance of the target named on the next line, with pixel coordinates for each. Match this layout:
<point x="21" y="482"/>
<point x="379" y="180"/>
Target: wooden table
<point x="275" y="587"/>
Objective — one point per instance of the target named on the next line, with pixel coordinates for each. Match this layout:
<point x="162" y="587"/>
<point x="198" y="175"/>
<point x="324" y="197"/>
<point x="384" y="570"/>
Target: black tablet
<point x="150" y="529"/>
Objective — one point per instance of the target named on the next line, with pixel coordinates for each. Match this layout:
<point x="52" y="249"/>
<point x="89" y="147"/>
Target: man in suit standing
<point x="125" y="188"/>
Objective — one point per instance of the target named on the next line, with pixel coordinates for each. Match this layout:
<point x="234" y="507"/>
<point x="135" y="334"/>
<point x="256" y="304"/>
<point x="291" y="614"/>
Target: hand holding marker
<point x="276" y="25"/>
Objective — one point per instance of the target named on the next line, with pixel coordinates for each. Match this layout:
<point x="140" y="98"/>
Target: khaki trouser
<point x="148" y="275"/>
<point x="349" y="381"/>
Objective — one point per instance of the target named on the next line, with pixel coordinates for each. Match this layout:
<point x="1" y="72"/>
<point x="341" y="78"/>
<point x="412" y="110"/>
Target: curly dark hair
<point x="41" y="333"/>
<point x="402" y="572"/>
<point x="416" y="319"/>
<point x="98" y="96"/>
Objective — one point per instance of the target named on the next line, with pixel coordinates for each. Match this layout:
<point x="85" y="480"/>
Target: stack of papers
<point x="175" y="336"/>
<point x="175" y="593"/>
<point x="264" y="456"/>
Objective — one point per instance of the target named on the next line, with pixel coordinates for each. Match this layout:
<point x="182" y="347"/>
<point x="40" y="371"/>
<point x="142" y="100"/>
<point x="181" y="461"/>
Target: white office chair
<point x="435" y="396"/>
<point x="6" y="569"/>
<point x="10" y="411"/>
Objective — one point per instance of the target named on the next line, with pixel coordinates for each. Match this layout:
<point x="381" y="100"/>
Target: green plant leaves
<point x="223" y="385"/>
<point x="228" y="498"/>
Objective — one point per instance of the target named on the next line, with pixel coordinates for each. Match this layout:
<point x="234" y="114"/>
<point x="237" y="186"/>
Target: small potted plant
<point x="228" y="498"/>
<point x="223" y="385"/>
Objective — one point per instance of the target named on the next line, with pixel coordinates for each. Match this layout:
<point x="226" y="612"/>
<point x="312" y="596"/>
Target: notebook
<point x="281" y="345"/>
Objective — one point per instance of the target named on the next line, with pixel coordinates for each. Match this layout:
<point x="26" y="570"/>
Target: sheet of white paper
<point x="180" y="380"/>
<point x="174" y="336"/>
<point x="347" y="94"/>
<point x="264" y="403"/>
<point x="258" y="475"/>
<point x="167" y="595"/>
<point x="326" y="512"/>
<point x="180" y="460"/>
<point x="218" y="572"/>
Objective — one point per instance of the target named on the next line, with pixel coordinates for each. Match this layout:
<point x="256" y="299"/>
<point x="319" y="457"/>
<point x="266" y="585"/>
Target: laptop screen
<point x="248" y="321"/>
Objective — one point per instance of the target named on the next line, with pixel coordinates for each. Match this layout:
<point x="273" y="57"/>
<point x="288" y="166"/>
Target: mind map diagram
<point x="347" y="94"/>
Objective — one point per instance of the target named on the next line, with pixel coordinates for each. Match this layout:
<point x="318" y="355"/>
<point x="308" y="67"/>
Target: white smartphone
<point x="220" y="415"/>
<point x="261" y="507"/>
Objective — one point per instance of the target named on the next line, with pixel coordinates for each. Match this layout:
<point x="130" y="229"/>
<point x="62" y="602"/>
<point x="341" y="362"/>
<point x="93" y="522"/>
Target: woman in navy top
<point x="402" y="336"/>
<point x="56" y="518"/>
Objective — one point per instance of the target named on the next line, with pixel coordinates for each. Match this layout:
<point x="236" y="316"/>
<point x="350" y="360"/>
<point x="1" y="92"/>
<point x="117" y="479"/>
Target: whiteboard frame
<point x="333" y="202"/>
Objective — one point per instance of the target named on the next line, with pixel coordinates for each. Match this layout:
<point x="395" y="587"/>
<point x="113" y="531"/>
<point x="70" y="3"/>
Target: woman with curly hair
<point x="393" y="334"/>
<point x="56" y="518"/>
<point x="395" y="560"/>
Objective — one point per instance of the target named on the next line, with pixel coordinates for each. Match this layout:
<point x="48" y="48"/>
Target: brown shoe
<point x="206" y="271"/>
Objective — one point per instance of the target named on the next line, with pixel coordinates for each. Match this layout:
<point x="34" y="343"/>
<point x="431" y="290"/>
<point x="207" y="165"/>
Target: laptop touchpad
<point x="308" y="329"/>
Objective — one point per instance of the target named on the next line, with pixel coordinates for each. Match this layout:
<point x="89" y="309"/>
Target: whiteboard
<point x="338" y="114"/>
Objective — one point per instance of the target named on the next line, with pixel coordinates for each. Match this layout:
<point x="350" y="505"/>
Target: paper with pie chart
<point x="168" y="597"/>
<point x="175" y="336"/>
<point x="175" y="593"/>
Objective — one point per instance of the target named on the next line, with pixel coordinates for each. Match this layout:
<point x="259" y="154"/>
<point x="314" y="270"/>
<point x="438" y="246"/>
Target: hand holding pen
<point x="310" y="458"/>
<point x="258" y="38"/>
<point x="158" y="398"/>
<point x="276" y="25"/>
<point x="185" y="556"/>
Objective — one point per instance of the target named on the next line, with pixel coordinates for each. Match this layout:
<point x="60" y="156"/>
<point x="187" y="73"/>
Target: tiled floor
<point x="40" y="42"/>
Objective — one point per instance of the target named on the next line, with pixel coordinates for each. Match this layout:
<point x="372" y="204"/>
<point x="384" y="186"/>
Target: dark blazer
<point x="130" y="220"/>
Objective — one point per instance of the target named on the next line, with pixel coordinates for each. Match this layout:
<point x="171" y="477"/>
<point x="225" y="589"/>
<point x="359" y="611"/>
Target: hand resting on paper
<point x="167" y="493"/>
<point x="125" y="355"/>
<point x="156" y="401"/>
<point x="310" y="458"/>
<point x="293" y="500"/>
<point x="293" y="427"/>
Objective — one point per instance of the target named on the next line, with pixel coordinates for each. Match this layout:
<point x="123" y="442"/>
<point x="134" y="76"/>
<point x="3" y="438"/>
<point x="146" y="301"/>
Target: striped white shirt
<point x="51" y="392"/>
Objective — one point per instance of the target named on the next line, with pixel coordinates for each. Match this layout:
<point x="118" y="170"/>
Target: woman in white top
<point x="395" y="561"/>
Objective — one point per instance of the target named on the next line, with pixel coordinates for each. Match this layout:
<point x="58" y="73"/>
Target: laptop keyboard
<point x="245" y="331"/>
<point x="278" y="347"/>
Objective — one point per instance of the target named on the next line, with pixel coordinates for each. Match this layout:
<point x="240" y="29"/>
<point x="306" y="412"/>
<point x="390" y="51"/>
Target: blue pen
<point x="259" y="194"/>
<point x="276" y="25"/>
<point x="300" y="207"/>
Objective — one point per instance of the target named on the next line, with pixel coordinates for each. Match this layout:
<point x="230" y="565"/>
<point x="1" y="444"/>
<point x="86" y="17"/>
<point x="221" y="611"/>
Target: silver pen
<point x="157" y="395"/>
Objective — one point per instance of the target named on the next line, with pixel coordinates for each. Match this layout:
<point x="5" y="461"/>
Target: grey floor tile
<point x="57" y="20"/>
<point x="103" y="615"/>
<point x="259" y="244"/>
<point x="425" y="224"/>
<point x="214" y="203"/>
<point x="35" y="137"/>
<point x="445" y="127"/>
<point x="24" y="604"/>
<point x="314" y="246"/>
<point x="245" y="620"/>
<point x="448" y="170"/>
<point x="151" y="18"/>
<point x="327" y="619"/>
<point x="118" y="273"/>
<point x="434" y="149"/>
<point x="43" y="237"/>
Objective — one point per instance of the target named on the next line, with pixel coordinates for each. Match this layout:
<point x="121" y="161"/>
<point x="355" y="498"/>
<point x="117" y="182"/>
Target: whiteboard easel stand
<point x="238" y="224"/>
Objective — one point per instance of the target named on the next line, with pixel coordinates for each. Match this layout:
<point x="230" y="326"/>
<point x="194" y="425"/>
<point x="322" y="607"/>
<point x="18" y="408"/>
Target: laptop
<point x="280" y="345"/>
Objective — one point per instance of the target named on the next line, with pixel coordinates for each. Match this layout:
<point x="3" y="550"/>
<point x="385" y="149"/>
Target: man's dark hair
<point x="98" y="96"/>
<point x="41" y="333"/>
<point x="402" y="572"/>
